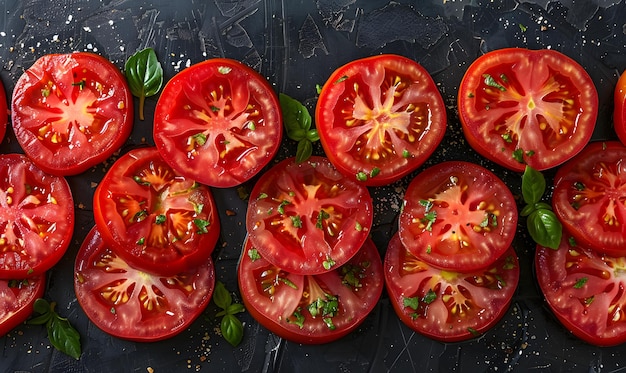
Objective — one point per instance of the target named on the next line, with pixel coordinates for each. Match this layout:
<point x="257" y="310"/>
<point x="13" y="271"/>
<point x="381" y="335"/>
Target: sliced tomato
<point x="308" y="218"/>
<point x="311" y="309"/>
<point x="218" y="122"/>
<point x="586" y="291"/>
<point x="589" y="196"/>
<point x="36" y="218"/>
<point x="16" y="301"/>
<point x="71" y="111"/>
<point x="458" y="215"/>
<point x="619" y="110"/>
<point x="379" y="118"/>
<point x="520" y="106"/>
<point x="156" y="220"/>
<point x="446" y="305"/>
<point x="132" y="304"/>
<point x="4" y="113"/>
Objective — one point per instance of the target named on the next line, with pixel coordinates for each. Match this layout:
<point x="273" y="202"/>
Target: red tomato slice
<point x="218" y="122"/>
<point x="36" y="218"/>
<point x="619" y="111"/>
<point x="520" y="106"/>
<point x="131" y="304"/>
<point x="446" y="305"/>
<point x="311" y="309"/>
<point x="16" y="301"/>
<point x="379" y="118"/>
<point x="4" y="113"/>
<point x="585" y="290"/>
<point x="155" y="219"/>
<point x="458" y="215"/>
<point x="589" y="197"/>
<point x="307" y="217"/>
<point x="71" y="111"/>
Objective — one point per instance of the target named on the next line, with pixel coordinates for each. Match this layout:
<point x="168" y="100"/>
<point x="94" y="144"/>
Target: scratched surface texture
<point x="296" y="44"/>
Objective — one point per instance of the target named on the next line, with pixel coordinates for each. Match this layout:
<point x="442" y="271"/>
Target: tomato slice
<point x="218" y="122"/>
<point x="311" y="309"/>
<point x="36" y="218"/>
<point x="4" y="112"/>
<point x="155" y="219"/>
<point x="71" y="111"/>
<point x="589" y="195"/>
<point x="520" y="106"/>
<point x="619" y="110"/>
<point x="307" y="217"/>
<point x="458" y="215"/>
<point x="379" y="118"/>
<point x="586" y="291"/>
<point x="132" y="304"/>
<point x="446" y="305"/>
<point x="16" y="301"/>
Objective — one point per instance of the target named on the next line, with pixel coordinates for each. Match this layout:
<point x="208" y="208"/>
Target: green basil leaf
<point x="304" y="150"/>
<point x="64" y="337"/>
<point x="533" y="185"/>
<point x="41" y="306"/>
<point x="144" y="75"/>
<point x="41" y="319"/>
<point x="235" y="308"/>
<point x="312" y="135"/>
<point x="232" y="329"/>
<point x="221" y="296"/>
<point x="296" y="117"/>
<point x="545" y="228"/>
<point x="526" y="210"/>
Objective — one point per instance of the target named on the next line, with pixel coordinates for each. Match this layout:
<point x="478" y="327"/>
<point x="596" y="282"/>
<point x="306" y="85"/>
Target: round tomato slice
<point x="71" y="111"/>
<point x="218" y="122"/>
<point x="36" y="218"/>
<point x="585" y="290"/>
<point x="589" y="196"/>
<point x="520" y="106"/>
<point x="132" y="304"/>
<point x="446" y="305"/>
<point x="4" y="113"/>
<point x="619" y="110"/>
<point x="155" y="219"/>
<point x="458" y="215"/>
<point x="307" y="217"/>
<point x="16" y="301"/>
<point x="379" y="118"/>
<point x="311" y="309"/>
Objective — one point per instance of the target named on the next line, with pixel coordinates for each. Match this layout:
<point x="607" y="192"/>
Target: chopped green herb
<point x="141" y="241"/>
<point x="429" y="297"/>
<point x="296" y="221"/>
<point x="518" y="155"/>
<point x="406" y="154"/>
<point x="581" y="282"/>
<point x="160" y="219"/>
<point x="342" y="79"/>
<point x="412" y="302"/>
<point x="254" y="255"/>
<point x="491" y="82"/>
<point x="361" y="176"/>
<point x="202" y="225"/>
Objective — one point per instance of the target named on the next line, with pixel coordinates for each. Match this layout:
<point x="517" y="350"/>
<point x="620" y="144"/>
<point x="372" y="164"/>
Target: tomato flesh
<point x="520" y="106"/>
<point x="589" y="196"/>
<point x="132" y="304"/>
<point x="458" y="216"/>
<point x="311" y="309"/>
<point x="71" y="111"/>
<point x="36" y="218"/>
<point x="156" y="219"/>
<point x="218" y="122"/>
<point x="307" y="217"/>
<point x="446" y="305"/>
<point x="379" y="118"/>
<point x="16" y="301"/>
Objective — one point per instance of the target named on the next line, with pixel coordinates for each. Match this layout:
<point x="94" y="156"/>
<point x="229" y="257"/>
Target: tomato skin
<point x="71" y="111"/>
<point x="334" y="214"/>
<point x="458" y="215"/>
<point x="619" y="110"/>
<point x="588" y="197"/>
<point x="218" y="122"/>
<point x="585" y="291"/>
<point x="452" y="306"/>
<point x="135" y="305"/>
<point x="520" y="106"/>
<point x="16" y="301"/>
<point x="152" y="216"/>
<point x="36" y="218"/>
<point x="272" y="295"/>
<point x="4" y="112"/>
<point x="381" y="114"/>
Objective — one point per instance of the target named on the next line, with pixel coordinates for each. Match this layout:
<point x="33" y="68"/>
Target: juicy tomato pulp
<point x="16" y="301"/>
<point x="311" y="308"/>
<point x="218" y="122"/>
<point x="520" y="106"/>
<point x="307" y="217"/>
<point x="36" y="218"/>
<point x="71" y="111"/>
<point x="458" y="216"/>
<point x="156" y="220"/>
<point x="447" y="305"/>
<point x="379" y="118"/>
<point x="585" y="290"/>
<point x="619" y="111"/>
<point x="132" y="304"/>
<point x="589" y="195"/>
<point x="4" y="113"/>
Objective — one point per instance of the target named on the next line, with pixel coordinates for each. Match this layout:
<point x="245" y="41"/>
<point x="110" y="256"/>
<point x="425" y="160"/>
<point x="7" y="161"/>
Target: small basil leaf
<point x="235" y="308"/>
<point x="526" y="210"/>
<point x="41" y="306"/>
<point x="221" y="296"/>
<point x="41" y="319"/>
<point x="312" y="135"/>
<point x="232" y="329"/>
<point x="542" y="206"/>
<point x="533" y="185"/>
<point x="295" y="117"/>
<point x="64" y="337"/>
<point x="545" y="228"/>
<point x="304" y="150"/>
<point x="144" y="75"/>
